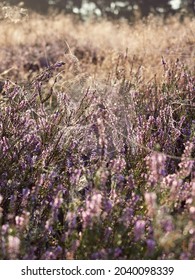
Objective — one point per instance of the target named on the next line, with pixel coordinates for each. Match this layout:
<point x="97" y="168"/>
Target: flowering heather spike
<point x="139" y="229"/>
<point x="151" y="203"/>
<point x="150" y="246"/>
<point x="93" y="209"/>
<point x="13" y="246"/>
<point x="157" y="168"/>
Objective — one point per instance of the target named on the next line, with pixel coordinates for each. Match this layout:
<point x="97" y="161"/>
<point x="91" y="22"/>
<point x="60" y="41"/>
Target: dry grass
<point x="98" y="45"/>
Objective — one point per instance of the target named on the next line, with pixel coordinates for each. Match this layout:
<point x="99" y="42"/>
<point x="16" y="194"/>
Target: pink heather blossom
<point x="192" y="211"/>
<point x="4" y="229"/>
<point x="156" y="165"/>
<point x="172" y="182"/>
<point x="19" y="220"/>
<point x="93" y="208"/>
<point x="139" y="229"/>
<point x="150" y="199"/>
<point x="58" y="202"/>
<point x="13" y="246"/>
<point x="193" y="188"/>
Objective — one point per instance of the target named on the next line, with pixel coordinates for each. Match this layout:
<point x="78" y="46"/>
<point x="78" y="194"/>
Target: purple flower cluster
<point x="108" y="176"/>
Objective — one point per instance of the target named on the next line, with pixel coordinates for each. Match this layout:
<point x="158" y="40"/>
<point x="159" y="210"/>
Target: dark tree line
<point x="111" y="8"/>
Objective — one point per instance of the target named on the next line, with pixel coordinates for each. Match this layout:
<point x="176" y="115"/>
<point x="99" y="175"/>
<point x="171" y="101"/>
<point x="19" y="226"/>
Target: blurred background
<point x="129" y="10"/>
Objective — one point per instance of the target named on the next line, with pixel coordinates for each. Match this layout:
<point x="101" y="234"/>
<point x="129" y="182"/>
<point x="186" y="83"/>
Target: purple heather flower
<point x="93" y="208"/>
<point x="127" y="216"/>
<point x="117" y="252"/>
<point x="139" y="229"/>
<point x="108" y="205"/>
<point x="108" y="232"/>
<point x="156" y="164"/>
<point x="57" y="202"/>
<point x="184" y="256"/>
<point x="71" y="219"/>
<point x="173" y="182"/>
<point x="118" y="165"/>
<point x="4" y="229"/>
<point x="75" y="176"/>
<point x="19" y="220"/>
<point x="100" y="255"/>
<point x="58" y="251"/>
<point x="94" y="204"/>
<point x="167" y="224"/>
<point x="150" y="246"/>
<point x="130" y="182"/>
<point x="49" y="255"/>
<point x="48" y="226"/>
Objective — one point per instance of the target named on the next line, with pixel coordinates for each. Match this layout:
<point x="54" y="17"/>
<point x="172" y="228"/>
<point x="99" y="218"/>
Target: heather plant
<point x="96" y="149"/>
